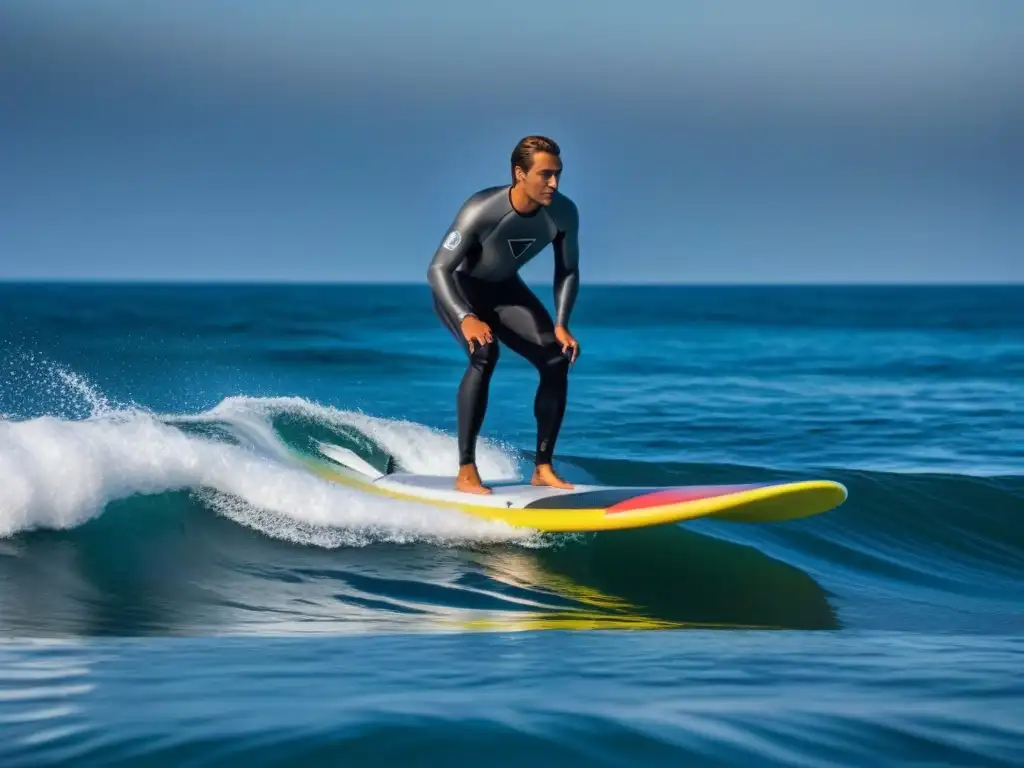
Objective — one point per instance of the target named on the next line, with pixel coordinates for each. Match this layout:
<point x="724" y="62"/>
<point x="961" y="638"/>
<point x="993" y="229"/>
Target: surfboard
<point x="590" y="507"/>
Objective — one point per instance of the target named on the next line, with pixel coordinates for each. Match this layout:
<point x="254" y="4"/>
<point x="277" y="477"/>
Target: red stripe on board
<point x="675" y="496"/>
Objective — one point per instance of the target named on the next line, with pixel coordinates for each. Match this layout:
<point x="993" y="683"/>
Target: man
<point x="481" y="298"/>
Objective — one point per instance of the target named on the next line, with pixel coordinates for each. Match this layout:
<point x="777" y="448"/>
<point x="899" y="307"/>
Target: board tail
<point x="355" y="462"/>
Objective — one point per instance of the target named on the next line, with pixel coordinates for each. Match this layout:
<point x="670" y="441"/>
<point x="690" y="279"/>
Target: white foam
<point x="416" y="447"/>
<point x="59" y="473"/>
<point x="64" y="392"/>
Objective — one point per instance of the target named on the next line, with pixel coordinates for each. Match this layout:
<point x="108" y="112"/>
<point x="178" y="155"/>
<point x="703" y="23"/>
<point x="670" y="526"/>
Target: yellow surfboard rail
<point x="768" y="503"/>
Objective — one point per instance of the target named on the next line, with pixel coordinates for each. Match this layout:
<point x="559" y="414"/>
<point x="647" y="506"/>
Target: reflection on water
<point x="167" y="565"/>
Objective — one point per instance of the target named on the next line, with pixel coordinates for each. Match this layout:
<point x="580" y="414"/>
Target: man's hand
<point x="568" y="342"/>
<point x="475" y="329"/>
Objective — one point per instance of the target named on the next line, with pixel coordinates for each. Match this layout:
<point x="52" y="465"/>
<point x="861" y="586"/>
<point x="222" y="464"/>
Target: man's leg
<point x="525" y="326"/>
<point x="472" y="399"/>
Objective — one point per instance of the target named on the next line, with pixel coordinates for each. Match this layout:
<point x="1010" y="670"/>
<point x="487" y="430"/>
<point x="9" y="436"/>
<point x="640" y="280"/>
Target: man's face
<point x="541" y="181"/>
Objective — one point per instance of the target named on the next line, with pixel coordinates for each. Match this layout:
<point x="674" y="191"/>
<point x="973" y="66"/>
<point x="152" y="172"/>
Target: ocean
<point x="176" y="589"/>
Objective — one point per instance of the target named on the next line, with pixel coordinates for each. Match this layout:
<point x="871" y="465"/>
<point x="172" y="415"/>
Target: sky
<point x="315" y="141"/>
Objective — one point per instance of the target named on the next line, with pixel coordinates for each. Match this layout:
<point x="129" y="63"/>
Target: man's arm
<point x="567" y="261"/>
<point x="462" y="236"/>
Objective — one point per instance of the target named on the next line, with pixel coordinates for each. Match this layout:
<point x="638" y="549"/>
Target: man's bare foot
<point x="468" y="480"/>
<point x="543" y="474"/>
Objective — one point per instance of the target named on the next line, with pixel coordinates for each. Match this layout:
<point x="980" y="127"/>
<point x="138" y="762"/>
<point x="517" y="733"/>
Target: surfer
<point x="480" y="297"/>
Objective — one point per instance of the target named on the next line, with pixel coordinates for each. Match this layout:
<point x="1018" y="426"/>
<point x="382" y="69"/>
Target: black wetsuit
<point x="475" y="271"/>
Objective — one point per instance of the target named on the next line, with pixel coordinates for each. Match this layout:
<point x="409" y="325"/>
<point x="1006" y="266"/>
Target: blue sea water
<point x="175" y="589"/>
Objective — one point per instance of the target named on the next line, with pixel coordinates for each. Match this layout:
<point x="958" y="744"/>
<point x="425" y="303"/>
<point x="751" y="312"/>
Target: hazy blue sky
<point x="320" y="141"/>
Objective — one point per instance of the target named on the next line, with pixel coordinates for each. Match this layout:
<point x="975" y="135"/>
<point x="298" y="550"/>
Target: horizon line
<point x="305" y="282"/>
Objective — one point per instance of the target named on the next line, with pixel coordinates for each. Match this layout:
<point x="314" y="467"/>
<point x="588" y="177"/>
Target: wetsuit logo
<point x="519" y="246"/>
<point x="452" y="241"/>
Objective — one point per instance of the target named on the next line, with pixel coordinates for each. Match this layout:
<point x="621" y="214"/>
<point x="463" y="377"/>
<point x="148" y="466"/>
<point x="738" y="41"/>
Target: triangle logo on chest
<point x="520" y="245"/>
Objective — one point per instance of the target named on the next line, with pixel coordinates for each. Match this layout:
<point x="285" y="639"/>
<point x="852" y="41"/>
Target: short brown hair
<point x="524" y="151"/>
